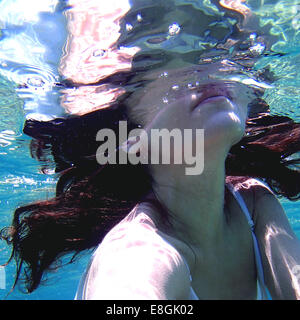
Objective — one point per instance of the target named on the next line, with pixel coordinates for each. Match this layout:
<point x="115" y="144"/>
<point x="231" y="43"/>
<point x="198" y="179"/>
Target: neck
<point x="195" y="203"/>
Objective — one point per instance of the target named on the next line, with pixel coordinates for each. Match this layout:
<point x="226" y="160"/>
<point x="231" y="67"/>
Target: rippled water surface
<point x="60" y="58"/>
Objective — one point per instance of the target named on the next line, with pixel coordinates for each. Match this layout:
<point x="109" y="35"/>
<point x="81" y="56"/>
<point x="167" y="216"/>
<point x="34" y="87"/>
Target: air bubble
<point x="252" y="36"/>
<point x="174" y="29"/>
<point x="257" y="49"/>
<point x="129" y="27"/>
<point x="164" y="74"/>
<point x="35" y="82"/>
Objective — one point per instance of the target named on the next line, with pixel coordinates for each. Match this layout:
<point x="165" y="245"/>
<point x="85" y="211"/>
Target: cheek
<point x="168" y="117"/>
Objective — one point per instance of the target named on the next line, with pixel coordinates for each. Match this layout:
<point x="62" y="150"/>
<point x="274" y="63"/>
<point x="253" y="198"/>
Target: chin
<point x="225" y="129"/>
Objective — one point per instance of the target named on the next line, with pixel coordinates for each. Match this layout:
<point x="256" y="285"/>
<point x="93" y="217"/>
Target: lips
<point x="212" y="99"/>
<point x="210" y="93"/>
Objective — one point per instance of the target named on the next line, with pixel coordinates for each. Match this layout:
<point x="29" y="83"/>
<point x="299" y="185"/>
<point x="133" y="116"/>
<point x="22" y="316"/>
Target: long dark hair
<point x="90" y="198"/>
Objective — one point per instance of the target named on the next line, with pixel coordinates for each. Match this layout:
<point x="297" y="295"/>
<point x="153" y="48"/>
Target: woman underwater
<point x="158" y="232"/>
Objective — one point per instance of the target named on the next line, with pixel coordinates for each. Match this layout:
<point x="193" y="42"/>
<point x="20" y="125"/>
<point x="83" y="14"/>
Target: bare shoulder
<point x="266" y="209"/>
<point x="251" y="189"/>
<point x="134" y="261"/>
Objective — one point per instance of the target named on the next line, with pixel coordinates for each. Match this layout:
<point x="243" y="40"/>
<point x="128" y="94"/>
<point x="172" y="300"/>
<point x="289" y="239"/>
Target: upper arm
<point x="280" y="247"/>
<point x="135" y="269"/>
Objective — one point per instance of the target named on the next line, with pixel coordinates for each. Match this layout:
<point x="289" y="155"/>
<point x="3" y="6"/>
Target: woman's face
<point x="220" y="109"/>
<point x="217" y="107"/>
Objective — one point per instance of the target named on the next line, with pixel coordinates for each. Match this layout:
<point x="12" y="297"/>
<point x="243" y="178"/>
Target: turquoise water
<point x="34" y="39"/>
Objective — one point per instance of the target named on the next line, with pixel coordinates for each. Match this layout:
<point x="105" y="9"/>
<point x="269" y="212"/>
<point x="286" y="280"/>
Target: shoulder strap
<point x="258" y="260"/>
<point x="242" y="204"/>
